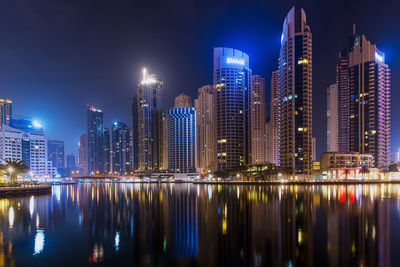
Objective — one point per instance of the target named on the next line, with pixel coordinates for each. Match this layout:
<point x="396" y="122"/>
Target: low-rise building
<point x="26" y="141"/>
<point x="331" y="160"/>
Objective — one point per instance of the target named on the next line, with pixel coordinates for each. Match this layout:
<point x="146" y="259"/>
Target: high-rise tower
<point x="258" y="120"/>
<point x="5" y="111"/>
<point x="206" y="132"/>
<point x="369" y="102"/>
<point x="295" y="93"/>
<point x="273" y="126"/>
<point x="332" y="119"/>
<point x="146" y="109"/>
<point x="181" y="122"/>
<point x="232" y="83"/>
<point x="95" y="140"/>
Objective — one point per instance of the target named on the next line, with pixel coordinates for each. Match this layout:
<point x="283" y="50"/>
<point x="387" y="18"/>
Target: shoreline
<point x="349" y="182"/>
<point x="25" y="190"/>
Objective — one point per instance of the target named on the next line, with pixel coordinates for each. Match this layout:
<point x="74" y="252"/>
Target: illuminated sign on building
<point x="232" y="60"/>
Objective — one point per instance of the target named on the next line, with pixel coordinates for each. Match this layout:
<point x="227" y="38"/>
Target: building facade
<point x="232" y="83"/>
<point x="83" y="154"/>
<point x="331" y="160"/>
<point x="121" y="149"/>
<point x="258" y="113"/>
<point x="5" y="111"/>
<point x="55" y="153"/>
<point x="28" y="144"/>
<point x="182" y="140"/>
<point x="295" y="93"/>
<point x="183" y="100"/>
<point x="369" y="101"/>
<point x="146" y="110"/>
<point x="275" y="158"/>
<point x="95" y="141"/>
<point x="106" y="152"/>
<point x="332" y="116"/>
<point x="206" y="128"/>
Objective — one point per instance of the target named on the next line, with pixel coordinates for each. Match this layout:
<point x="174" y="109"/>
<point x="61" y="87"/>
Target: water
<point x="202" y="225"/>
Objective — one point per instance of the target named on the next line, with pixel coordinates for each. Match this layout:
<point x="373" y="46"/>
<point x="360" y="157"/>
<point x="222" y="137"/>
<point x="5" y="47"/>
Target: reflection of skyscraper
<point x="95" y="140"/>
<point x="182" y="139"/>
<point x="232" y="83"/>
<point x="83" y="154"/>
<point x="5" y="111"/>
<point x="146" y="103"/>
<point x="332" y="119"/>
<point x="205" y="119"/>
<point x="258" y="119"/>
<point x="295" y="93"/>
<point x="274" y="123"/>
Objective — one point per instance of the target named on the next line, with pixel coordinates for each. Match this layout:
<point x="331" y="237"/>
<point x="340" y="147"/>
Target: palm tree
<point x="14" y="168"/>
<point x="346" y="172"/>
<point x="364" y="169"/>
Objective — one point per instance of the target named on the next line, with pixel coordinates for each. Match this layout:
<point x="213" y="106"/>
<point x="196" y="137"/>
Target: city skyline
<point x="262" y="63"/>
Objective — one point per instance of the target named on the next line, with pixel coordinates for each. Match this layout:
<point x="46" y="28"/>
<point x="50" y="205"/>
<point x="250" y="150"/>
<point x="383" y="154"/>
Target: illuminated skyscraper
<point x="55" y="153"/>
<point x="232" y="83"/>
<point x="146" y="107"/>
<point x="106" y="151"/>
<point x="95" y="140"/>
<point x="274" y="123"/>
<point x="206" y="132"/>
<point x="83" y="154"/>
<point x="332" y="119"/>
<point x="369" y="100"/>
<point x="121" y="149"/>
<point x="258" y="129"/>
<point x="182" y="139"/>
<point x="5" y="111"/>
<point x="295" y="93"/>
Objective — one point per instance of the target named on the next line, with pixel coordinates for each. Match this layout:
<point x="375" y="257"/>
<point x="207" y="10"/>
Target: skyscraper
<point x="183" y="100"/>
<point x="71" y="162"/>
<point x="295" y="93"/>
<point x="232" y="83"/>
<point x="314" y="149"/>
<point x="342" y="81"/>
<point x="146" y="106"/>
<point x="5" y="111"/>
<point x="206" y="132"/>
<point x="182" y="139"/>
<point x="274" y="123"/>
<point x="121" y="149"/>
<point x="332" y="119"/>
<point x="83" y="154"/>
<point x="369" y="100"/>
<point x="258" y="129"/>
<point x="55" y="153"/>
<point x="106" y="151"/>
<point x="95" y="140"/>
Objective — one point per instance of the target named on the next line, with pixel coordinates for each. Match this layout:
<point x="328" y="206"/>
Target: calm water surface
<point x="203" y="225"/>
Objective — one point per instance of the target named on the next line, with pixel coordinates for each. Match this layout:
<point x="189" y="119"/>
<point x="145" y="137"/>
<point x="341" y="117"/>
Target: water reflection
<point x="205" y="225"/>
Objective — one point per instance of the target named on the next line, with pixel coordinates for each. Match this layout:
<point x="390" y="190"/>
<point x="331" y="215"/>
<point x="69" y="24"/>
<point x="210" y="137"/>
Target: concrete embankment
<point x="25" y="190"/>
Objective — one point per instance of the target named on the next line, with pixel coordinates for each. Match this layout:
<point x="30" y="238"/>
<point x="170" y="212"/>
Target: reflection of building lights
<point x="11" y="217"/>
<point x="116" y="241"/>
<point x="39" y="242"/>
<point x="31" y="205"/>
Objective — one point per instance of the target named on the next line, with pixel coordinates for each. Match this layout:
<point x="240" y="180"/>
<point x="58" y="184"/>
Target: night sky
<point x="58" y="56"/>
